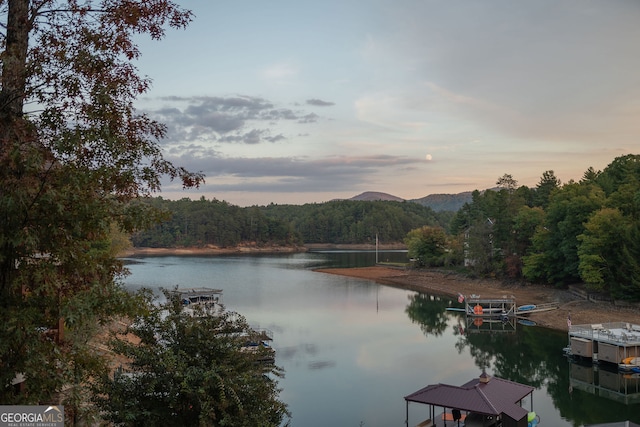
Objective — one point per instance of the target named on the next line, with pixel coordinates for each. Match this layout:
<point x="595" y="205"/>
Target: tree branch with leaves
<point x="74" y="155"/>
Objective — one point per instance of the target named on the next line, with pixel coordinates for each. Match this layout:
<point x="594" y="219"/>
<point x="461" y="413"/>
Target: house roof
<point x="493" y="397"/>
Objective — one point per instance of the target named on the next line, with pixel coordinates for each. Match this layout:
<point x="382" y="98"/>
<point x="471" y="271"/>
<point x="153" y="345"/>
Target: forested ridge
<point x="213" y="222"/>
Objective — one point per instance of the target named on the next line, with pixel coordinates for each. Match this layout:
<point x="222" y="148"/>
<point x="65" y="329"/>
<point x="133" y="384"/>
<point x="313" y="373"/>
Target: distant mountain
<point x="369" y="196"/>
<point x="445" y="202"/>
<point x="437" y="202"/>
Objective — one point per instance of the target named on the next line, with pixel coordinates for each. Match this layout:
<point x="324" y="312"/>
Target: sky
<point x="294" y="102"/>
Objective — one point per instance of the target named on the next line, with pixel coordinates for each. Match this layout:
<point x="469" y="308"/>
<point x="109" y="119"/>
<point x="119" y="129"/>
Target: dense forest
<point x="578" y="232"/>
<point x="212" y="222"/>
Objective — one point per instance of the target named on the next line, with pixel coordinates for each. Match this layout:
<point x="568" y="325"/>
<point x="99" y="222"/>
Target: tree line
<point x="578" y="232"/>
<point x="214" y="222"/>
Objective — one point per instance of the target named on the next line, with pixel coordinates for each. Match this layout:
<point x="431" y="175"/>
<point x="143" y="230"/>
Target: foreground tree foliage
<point x="70" y="164"/>
<point x="189" y="370"/>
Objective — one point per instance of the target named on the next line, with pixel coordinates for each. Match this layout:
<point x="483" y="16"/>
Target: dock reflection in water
<point x="604" y="381"/>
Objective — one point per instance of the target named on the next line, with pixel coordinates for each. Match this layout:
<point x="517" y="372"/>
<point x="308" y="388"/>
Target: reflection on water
<point x="604" y="381"/>
<point x="352" y="349"/>
<point x="348" y="258"/>
<point x="429" y="311"/>
<point x="477" y="325"/>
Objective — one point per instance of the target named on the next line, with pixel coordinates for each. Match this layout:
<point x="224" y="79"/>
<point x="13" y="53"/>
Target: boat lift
<point x="491" y="307"/>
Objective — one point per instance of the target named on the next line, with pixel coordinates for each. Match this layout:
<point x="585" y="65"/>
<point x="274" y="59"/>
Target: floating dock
<point x="605" y="342"/>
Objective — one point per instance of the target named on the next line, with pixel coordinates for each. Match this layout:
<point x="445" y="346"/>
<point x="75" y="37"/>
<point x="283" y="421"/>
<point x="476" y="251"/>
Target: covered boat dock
<point x="483" y="401"/>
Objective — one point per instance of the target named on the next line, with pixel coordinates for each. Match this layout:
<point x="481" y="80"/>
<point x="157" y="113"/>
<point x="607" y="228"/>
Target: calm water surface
<point x="352" y="349"/>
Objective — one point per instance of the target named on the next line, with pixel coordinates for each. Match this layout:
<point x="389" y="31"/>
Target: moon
<point x="429" y="157"/>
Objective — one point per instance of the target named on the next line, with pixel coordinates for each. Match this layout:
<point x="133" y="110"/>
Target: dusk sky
<point x="301" y="102"/>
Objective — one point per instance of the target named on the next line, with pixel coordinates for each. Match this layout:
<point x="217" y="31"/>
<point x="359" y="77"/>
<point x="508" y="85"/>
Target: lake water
<point x="352" y="349"/>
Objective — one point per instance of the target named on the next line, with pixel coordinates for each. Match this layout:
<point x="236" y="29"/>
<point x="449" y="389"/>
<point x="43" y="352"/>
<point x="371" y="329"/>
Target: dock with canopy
<point x="484" y="401"/>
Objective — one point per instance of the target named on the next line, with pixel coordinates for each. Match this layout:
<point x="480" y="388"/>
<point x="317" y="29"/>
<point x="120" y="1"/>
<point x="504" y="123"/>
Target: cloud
<point x="276" y="138"/>
<point x="254" y="136"/>
<point x="288" y="174"/>
<point x="214" y="164"/>
<point x="309" y="118"/>
<point x="251" y="137"/>
<point x="319" y="103"/>
<point x="225" y="120"/>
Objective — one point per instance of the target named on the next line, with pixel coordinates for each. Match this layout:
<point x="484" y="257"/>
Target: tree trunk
<point x="14" y="63"/>
<point x="12" y="124"/>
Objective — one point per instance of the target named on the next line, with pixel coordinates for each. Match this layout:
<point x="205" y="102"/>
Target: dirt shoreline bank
<point x="209" y="250"/>
<point x="451" y="284"/>
<point x="252" y="249"/>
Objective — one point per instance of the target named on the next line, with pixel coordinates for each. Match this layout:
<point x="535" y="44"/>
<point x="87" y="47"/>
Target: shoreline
<point x="209" y="250"/>
<point x="450" y="284"/>
<point x="252" y="249"/>
<point x="440" y="282"/>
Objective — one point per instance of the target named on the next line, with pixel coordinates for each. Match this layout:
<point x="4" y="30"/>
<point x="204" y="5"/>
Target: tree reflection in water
<point x="520" y="356"/>
<point x="430" y="312"/>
